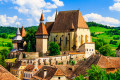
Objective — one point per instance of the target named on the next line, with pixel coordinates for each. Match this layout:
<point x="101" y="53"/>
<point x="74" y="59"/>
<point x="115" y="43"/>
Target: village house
<point x="111" y="64"/>
<point x="30" y="70"/>
<point x="58" y="72"/>
<point x="17" y="69"/>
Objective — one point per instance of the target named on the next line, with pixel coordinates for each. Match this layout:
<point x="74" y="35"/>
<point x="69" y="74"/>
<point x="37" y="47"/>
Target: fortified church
<point x="69" y="30"/>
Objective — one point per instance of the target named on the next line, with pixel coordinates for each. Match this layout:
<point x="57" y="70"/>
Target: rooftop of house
<point x="6" y="75"/>
<point x="31" y="67"/>
<point x="102" y="61"/>
<point x="58" y="70"/>
<point x="17" y="64"/>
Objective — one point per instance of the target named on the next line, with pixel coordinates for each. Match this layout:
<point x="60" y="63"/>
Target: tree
<point x="30" y="36"/>
<point x="29" y="47"/>
<point x="4" y="53"/>
<point x="80" y="77"/>
<point x="105" y="50"/>
<point x="4" y="35"/>
<point x="97" y="73"/>
<point x="54" y="49"/>
<point x="10" y="45"/>
<point x="2" y="60"/>
<point x="99" y="43"/>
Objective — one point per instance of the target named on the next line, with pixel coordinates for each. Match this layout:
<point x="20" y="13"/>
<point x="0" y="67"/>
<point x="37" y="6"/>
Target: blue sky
<point x="27" y="12"/>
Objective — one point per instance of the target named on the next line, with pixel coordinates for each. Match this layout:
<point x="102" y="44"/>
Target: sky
<point x="27" y="12"/>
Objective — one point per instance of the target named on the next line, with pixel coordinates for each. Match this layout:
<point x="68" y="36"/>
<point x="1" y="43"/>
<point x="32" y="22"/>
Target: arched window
<point x="54" y="39"/>
<point x="60" y="40"/>
<point x="86" y="38"/>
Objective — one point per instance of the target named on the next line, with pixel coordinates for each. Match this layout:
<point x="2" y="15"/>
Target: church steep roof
<point x="49" y="26"/>
<point x="23" y="32"/>
<point x="66" y="18"/>
<point x="41" y="29"/>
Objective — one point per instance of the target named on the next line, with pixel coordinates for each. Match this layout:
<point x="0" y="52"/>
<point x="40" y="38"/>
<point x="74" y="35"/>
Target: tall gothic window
<point x="65" y="40"/>
<point x="54" y="39"/>
<point x="60" y="40"/>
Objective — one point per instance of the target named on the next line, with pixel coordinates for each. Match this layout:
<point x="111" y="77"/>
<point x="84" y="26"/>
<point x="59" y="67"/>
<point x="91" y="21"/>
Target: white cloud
<point x="8" y="21"/>
<point x="34" y="7"/>
<point x="51" y="18"/>
<point x="115" y="6"/>
<point x="58" y="3"/>
<point x="102" y="20"/>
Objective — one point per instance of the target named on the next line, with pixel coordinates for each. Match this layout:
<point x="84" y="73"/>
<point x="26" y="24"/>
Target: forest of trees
<point x="97" y="73"/>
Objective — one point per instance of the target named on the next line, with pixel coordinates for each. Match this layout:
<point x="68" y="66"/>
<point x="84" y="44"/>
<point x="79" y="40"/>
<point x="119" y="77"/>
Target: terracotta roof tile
<point x="102" y="61"/>
<point x="41" y="30"/>
<point x="42" y="18"/>
<point x="6" y="75"/>
<point x="67" y="19"/>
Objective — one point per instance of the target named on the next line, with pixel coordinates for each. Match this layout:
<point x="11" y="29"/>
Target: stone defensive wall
<point x="56" y="60"/>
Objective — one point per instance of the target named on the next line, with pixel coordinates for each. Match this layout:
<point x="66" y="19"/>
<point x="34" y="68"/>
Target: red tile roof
<point x="41" y="29"/>
<point x="42" y="18"/>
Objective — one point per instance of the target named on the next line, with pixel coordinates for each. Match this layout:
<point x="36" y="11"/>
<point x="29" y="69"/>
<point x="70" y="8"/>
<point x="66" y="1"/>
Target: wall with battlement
<point x="55" y="60"/>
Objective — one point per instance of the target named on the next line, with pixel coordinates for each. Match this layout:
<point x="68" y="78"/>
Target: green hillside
<point x="106" y="33"/>
<point x="98" y="31"/>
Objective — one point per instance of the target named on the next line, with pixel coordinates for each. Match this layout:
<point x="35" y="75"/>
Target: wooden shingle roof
<point x="67" y="20"/>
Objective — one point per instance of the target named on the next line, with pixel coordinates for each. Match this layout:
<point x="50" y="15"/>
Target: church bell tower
<point x="41" y="37"/>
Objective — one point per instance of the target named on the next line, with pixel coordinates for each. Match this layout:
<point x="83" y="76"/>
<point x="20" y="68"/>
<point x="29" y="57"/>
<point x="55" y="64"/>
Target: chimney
<point x="45" y="73"/>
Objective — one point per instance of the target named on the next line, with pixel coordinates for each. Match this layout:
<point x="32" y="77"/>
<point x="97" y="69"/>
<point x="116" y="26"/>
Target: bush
<point x="4" y="35"/>
<point x="113" y="42"/>
<point x="54" y="49"/>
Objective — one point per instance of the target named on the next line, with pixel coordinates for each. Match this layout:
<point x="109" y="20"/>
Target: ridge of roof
<point x="66" y="18"/>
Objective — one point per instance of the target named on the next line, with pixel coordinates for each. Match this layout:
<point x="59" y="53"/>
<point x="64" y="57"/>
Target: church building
<point x="69" y="30"/>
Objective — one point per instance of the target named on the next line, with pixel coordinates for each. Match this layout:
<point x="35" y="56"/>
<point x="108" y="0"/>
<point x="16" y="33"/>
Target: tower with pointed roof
<point x="41" y="37"/>
<point x="17" y="41"/>
<point x="23" y="32"/>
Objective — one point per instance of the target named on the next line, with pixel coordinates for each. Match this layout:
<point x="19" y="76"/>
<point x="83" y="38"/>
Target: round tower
<point x="41" y="37"/>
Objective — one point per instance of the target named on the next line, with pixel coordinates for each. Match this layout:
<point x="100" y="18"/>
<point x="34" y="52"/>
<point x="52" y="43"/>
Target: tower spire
<point x="56" y="14"/>
<point x="42" y="18"/>
<point x="18" y="31"/>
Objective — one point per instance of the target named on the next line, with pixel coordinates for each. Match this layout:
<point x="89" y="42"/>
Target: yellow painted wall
<point x="77" y="38"/>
